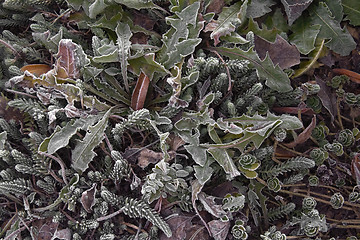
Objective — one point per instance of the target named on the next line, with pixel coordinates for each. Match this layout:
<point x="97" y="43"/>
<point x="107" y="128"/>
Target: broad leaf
<point x="61" y="136"/>
<point x="258" y="8"/>
<point x="229" y="18"/>
<point x="204" y="173"/>
<point x="280" y="51"/>
<point x="304" y="35"/>
<point x="198" y="154"/>
<point x="340" y="41"/>
<point x="314" y="56"/>
<point x="294" y="8"/>
<point x="222" y="157"/>
<point x="352" y="11"/>
<point x="335" y="8"/>
<point x="147" y="65"/>
<point x="138" y="4"/>
<point x="275" y="78"/>
<point x="264" y="32"/>
<point x="96" y="8"/>
<point x="83" y="153"/>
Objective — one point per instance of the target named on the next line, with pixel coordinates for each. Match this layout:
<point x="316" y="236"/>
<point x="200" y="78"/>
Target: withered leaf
<point x="147" y="156"/>
<point x="179" y="226"/>
<point x="280" y="51"/>
<point x="355" y="168"/>
<point x="328" y="99"/>
<point x="67" y="60"/>
<point x="36" y="69"/>
<point x="294" y="8"/>
<point x="210" y="206"/>
<point x="215" y="6"/>
<point x="140" y="91"/>
<point x="219" y="229"/>
<point x="88" y="198"/>
<point x="304" y="135"/>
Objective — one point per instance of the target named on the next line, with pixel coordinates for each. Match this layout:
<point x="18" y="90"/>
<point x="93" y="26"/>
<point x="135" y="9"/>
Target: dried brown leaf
<point x="88" y="198"/>
<point x="304" y="135"/>
<point x="328" y="99"/>
<point x="219" y="229"/>
<point x="179" y="225"/>
<point x="215" y="6"/>
<point x="140" y="91"/>
<point x="280" y="51"/>
<point x="147" y="156"/>
<point x="67" y="60"/>
<point x="36" y="69"/>
<point x="210" y="206"/>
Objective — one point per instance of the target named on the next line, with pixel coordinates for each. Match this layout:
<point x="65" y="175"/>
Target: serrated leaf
<point x="280" y="51"/>
<point x="275" y="78"/>
<point x="304" y="35"/>
<point x="61" y="136"/>
<point x="340" y="41"/>
<point x="222" y="157"/>
<point x="184" y="26"/>
<point x="264" y="32"/>
<point x="229" y="19"/>
<point x="83" y="153"/>
<point x="335" y="8"/>
<point x="352" y="11"/>
<point x="123" y="42"/>
<point x="96" y="8"/>
<point x="314" y="56"/>
<point x="147" y="65"/>
<point x="258" y="8"/>
<point x="139" y="4"/>
<point x="294" y="8"/>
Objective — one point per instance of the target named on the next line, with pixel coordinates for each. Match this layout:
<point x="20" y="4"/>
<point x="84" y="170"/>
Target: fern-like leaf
<point x="279" y="212"/>
<point x="294" y="164"/>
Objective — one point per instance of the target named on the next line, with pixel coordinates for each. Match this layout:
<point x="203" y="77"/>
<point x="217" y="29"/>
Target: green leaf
<point x="275" y="78"/>
<point x="304" y="35"/>
<point x="204" y="173"/>
<point x="222" y="157"/>
<point x="83" y="153"/>
<point x="264" y="32"/>
<point x="352" y="11"/>
<point x="147" y="65"/>
<point x="198" y="154"/>
<point x="96" y="8"/>
<point x="184" y="26"/>
<point x="340" y="41"/>
<point x="139" y="4"/>
<point x="258" y="8"/>
<point x="61" y="136"/>
<point x="229" y="19"/>
<point x="123" y="42"/>
<point x="314" y="56"/>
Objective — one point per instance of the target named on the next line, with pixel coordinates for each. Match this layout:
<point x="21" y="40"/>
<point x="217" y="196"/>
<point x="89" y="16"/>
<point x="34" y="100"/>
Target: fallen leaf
<point x="280" y="51"/>
<point x="355" y="77"/>
<point x="179" y="225"/>
<point x="46" y="229"/>
<point x="67" y="60"/>
<point x="147" y="156"/>
<point x="36" y="69"/>
<point x="140" y="91"/>
<point x="215" y="6"/>
<point x="304" y="135"/>
<point x="328" y="99"/>
<point x="88" y="198"/>
<point x="219" y="229"/>
<point x="210" y="206"/>
<point x="355" y="168"/>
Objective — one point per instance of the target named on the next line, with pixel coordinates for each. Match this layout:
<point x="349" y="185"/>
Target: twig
<point x="20" y="93"/>
<point x="60" y="162"/>
<point x="110" y="215"/>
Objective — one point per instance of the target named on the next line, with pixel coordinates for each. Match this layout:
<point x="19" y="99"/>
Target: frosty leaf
<point x="280" y="52"/>
<point x="222" y="157"/>
<point x="219" y="229"/>
<point x="264" y="32"/>
<point x="3" y="137"/>
<point x="258" y="8"/>
<point x="304" y="35"/>
<point x="352" y="11"/>
<point x="83" y="153"/>
<point x="184" y="26"/>
<point x="198" y="153"/>
<point x="314" y="56"/>
<point x="229" y="18"/>
<point x="123" y="42"/>
<point x="67" y="59"/>
<point x="210" y="205"/>
<point x="304" y="135"/>
<point x="204" y="173"/>
<point x="294" y="8"/>
<point x="276" y="79"/>
<point x="340" y="41"/>
<point x="88" y="198"/>
<point x="61" y="136"/>
<point x="336" y="9"/>
<point x="327" y="97"/>
<point x="96" y="8"/>
<point x="138" y="4"/>
<point x="147" y="65"/>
